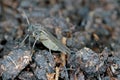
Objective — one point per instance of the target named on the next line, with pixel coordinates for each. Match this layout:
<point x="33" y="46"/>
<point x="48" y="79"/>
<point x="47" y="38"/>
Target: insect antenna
<point x="26" y="17"/>
<point x="28" y="35"/>
<point x="28" y="22"/>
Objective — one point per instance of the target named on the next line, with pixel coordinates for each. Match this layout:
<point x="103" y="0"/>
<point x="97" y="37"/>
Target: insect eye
<point x="35" y="33"/>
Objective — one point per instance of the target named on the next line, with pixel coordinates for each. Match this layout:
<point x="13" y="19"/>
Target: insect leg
<point x="35" y="43"/>
<point x="21" y="44"/>
<point x="52" y="58"/>
<point x="29" y="43"/>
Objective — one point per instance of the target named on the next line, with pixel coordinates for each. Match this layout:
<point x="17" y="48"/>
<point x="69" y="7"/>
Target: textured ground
<point x="89" y="28"/>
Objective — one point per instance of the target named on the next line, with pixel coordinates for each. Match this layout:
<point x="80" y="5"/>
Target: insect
<point x="40" y="33"/>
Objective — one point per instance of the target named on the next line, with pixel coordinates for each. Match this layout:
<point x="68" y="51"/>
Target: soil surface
<point x="80" y="40"/>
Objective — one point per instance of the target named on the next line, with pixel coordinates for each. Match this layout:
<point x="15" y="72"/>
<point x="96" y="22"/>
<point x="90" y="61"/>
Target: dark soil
<point x="89" y="28"/>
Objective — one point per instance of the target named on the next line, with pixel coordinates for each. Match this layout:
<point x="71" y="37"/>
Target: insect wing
<point x="55" y="41"/>
<point x="48" y="42"/>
